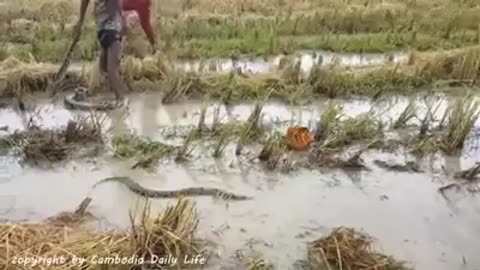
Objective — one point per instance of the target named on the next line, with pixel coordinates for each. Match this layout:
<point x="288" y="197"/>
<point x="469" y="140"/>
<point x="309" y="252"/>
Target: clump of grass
<point x="428" y="119"/>
<point x="55" y="145"/>
<point x="290" y="70"/>
<point x="251" y="129"/>
<point x="363" y="126"/>
<point x="45" y="145"/>
<point x="221" y="145"/>
<point x="273" y="150"/>
<point x="229" y="129"/>
<point x="179" y="84"/>
<point x="146" y="151"/>
<point x="128" y="146"/>
<point x="172" y="232"/>
<point x="328" y="120"/>
<point x="407" y="114"/>
<point x="186" y="149"/>
<point x="346" y="248"/>
<point x="85" y="129"/>
<point x="347" y="131"/>
<point x="462" y="115"/>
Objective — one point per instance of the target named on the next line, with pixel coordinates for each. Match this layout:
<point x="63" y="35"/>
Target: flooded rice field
<point x="308" y="60"/>
<point x="404" y="211"/>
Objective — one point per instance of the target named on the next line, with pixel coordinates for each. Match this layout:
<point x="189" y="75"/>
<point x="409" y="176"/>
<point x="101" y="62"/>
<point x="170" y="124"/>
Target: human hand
<point x="153" y="49"/>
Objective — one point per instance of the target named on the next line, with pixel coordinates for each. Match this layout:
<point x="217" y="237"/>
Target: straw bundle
<point x="93" y="77"/>
<point x="151" y="67"/>
<point x="170" y="233"/>
<point x="18" y="77"/>
<point x="346" y="248"/>
<point x="461" y="64"/>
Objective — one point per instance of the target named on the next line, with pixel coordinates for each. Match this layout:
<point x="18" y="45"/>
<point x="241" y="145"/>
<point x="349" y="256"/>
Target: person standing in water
<point x="108" y="19"/>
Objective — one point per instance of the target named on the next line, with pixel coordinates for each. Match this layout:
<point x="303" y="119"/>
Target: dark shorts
<point x="108" y="37"/>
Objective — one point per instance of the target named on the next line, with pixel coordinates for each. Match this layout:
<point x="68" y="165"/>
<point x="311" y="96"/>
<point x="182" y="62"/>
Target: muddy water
<point x="263" y="65"/>
<point x="404" y="211"/>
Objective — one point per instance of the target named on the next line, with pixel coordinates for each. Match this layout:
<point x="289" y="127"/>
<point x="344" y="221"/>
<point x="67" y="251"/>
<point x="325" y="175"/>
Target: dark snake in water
<point x="78" y="100"/>
<point x="192" y="191"/>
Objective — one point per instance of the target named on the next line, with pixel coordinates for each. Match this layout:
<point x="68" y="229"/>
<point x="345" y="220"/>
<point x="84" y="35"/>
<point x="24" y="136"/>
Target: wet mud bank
<point x="403" y="210"/>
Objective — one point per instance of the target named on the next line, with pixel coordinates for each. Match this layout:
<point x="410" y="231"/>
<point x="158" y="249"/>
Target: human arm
<point x="145" y="22"/>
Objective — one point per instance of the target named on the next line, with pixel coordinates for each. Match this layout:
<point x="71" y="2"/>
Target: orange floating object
<point x="299" y="138"/>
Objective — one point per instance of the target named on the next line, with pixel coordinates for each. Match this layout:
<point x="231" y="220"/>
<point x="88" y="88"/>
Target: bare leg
<point x="103" y="63"/>
<point x="103" y="66"/>
<point x="114" y="55"/>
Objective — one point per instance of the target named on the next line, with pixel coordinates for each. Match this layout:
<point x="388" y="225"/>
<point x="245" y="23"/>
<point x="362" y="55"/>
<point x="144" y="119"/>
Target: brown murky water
<point x="403" y="211"/>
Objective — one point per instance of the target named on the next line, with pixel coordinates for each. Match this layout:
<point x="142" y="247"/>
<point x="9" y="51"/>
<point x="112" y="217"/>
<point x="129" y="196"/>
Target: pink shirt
<point x="142" y="9"/>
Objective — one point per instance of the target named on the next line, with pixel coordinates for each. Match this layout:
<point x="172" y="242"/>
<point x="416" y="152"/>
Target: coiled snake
<point x="78" y="100"/>
<point x="192" y="191"/>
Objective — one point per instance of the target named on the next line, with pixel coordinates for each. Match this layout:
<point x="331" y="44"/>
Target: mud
<point x="404" y="211"/>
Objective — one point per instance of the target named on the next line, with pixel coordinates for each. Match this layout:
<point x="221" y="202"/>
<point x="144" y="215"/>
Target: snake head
<point x="81" y="93"/>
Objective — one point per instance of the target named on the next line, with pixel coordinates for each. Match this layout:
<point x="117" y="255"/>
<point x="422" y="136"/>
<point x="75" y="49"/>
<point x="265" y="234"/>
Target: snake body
<point x="192" y="191"/>
<point x="78" y="100"/>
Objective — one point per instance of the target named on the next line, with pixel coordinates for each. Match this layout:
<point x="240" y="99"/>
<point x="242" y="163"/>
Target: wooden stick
<point x="66" y="62"/>
<point x="83" y="206"/>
